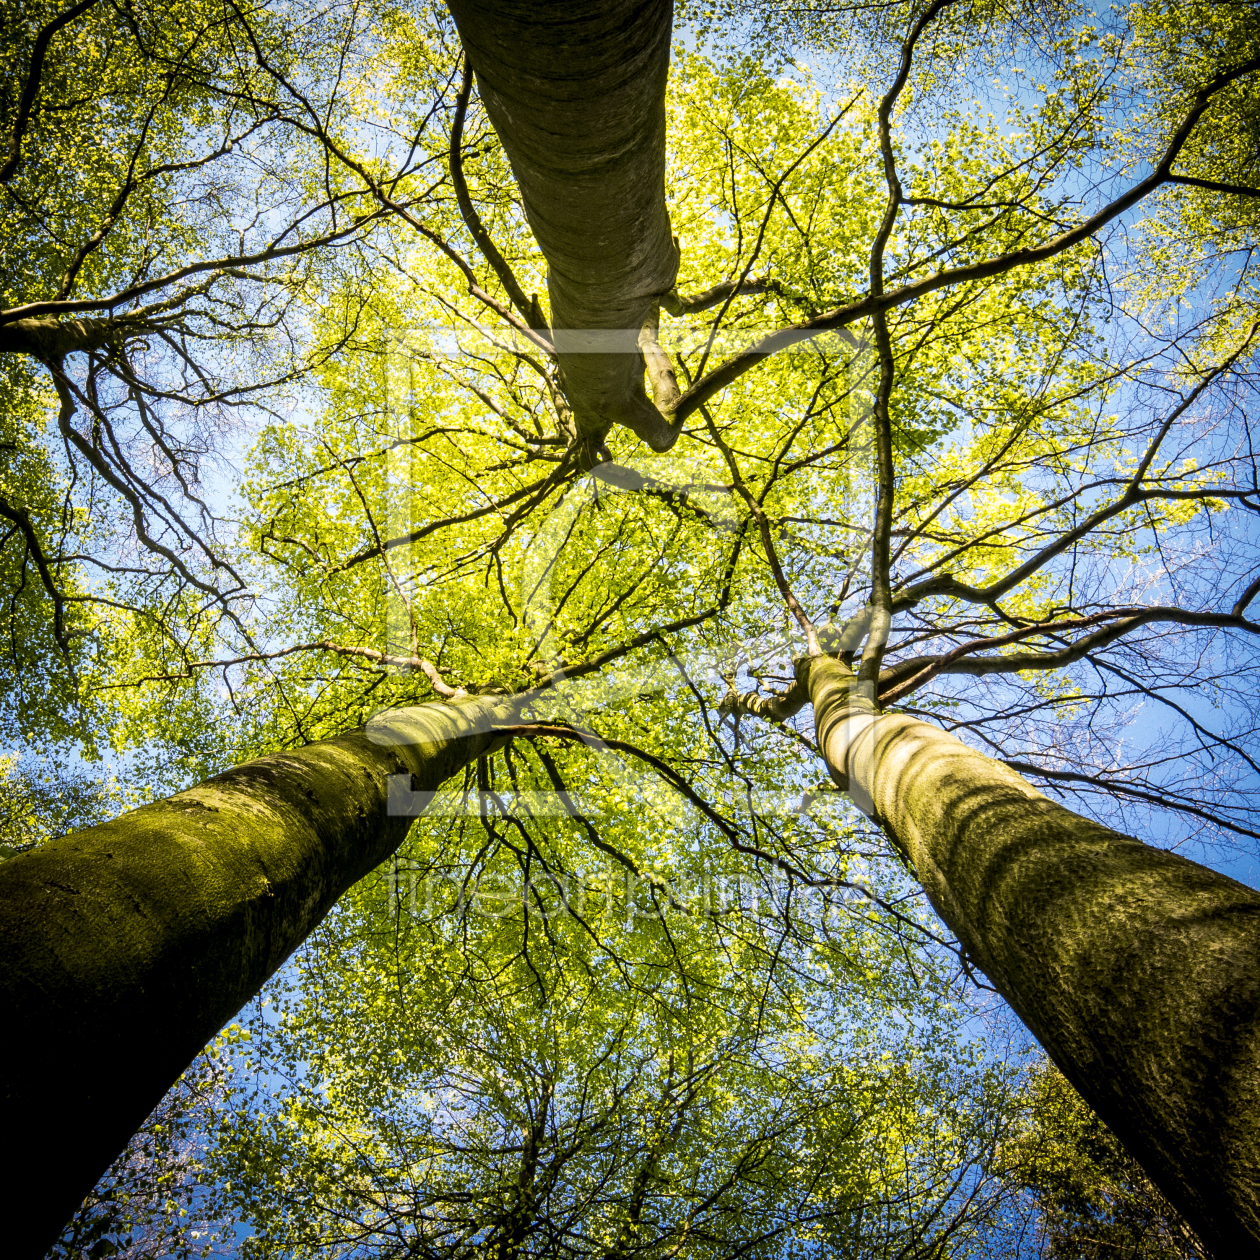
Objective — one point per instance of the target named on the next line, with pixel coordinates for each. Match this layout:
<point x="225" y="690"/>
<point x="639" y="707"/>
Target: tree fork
<point x="127" y="946"/>
<point x="1135" y="968"/>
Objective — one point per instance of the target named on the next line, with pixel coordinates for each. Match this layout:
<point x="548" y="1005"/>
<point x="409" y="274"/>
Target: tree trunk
<point x="129" y="945"/>
<point x="1137" y="970"/>
<point x="576" y="92"/>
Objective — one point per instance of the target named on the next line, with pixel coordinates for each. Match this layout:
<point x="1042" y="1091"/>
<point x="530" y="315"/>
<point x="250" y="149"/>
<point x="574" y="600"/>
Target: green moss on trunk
<point x="1137" y="970"/>
<point x="129" y="945"/>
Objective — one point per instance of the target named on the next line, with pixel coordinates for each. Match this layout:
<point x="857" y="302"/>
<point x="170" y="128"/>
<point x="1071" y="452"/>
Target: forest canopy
<point x="947" y="390"/>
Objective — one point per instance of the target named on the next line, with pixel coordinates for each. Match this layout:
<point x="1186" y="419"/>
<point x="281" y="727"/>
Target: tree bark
<point x="129" y="945"/>
<point x="576" y="92"/>
<point x="53" y="339"/>
<point x="1137" y="970"/>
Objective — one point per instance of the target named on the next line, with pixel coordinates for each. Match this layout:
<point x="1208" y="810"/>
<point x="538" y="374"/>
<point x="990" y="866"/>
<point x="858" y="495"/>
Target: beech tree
<point x="911" y="478"/>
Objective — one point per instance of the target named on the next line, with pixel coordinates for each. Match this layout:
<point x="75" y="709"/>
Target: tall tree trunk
<point x="127" y="946"/>
<point x="576" y="91"/>
<point x="1137" y="970"/>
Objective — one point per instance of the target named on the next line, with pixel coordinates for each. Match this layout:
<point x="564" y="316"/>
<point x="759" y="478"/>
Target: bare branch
<point x="767" y="540"/>
<point x="920" y="669"/>
<point x="529" y="309"/>
<point x="1215" y="185"/>
<point x="1253" y="589"/>
<point x="417" y="663"/>
<point x="677" y="305"/>
<point x="1163" y="798"/>
<point x="864" y="307"/>
<point x="223" y="264"/>
<point x="403" y="540"/>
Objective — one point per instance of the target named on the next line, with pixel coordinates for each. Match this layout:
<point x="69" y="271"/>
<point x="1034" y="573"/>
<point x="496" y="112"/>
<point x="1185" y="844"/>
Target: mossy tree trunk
<point x="129" y="945"/>
<point x="1137" y="970"/>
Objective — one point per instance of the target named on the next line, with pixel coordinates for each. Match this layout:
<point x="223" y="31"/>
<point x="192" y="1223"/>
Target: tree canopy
<point x="638" y="419"/>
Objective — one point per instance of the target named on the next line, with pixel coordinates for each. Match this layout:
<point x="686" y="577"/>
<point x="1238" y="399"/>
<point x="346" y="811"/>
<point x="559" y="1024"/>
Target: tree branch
<point x="908" y="675"/>
<point x="418" y="663"/>
<point x="1133" y="495"/>
<point x="228" y="264"/>
<point x="30" y="90"/>
<point x="1165" y="799"/>
<point x="403" y="540"/>
<point x="677" y="305"/>
<point x="22" y="519"/>
<point x="1215" y="185"/>
<point x="529" y="309"/>
<point x="863" y="308"/>
<point x="767" y="541"/>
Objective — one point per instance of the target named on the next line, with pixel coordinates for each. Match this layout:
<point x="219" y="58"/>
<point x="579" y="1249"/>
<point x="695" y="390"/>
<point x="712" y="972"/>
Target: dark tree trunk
<point x="576" y="92"/>
<point x="53" y="339"/>
<point x="128" y="946"/>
